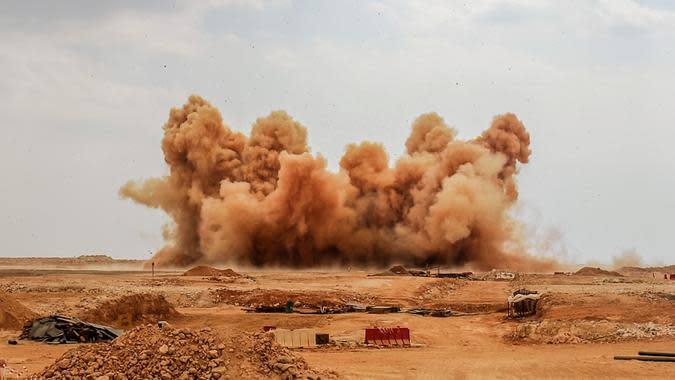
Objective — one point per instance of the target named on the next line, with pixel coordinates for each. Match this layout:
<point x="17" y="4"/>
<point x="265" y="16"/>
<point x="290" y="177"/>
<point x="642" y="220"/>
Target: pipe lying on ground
<point x="646" y="358"/>
<point x="649" y="353"/>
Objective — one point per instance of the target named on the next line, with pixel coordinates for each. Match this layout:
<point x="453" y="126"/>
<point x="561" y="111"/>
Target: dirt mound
<point x="590" y="271"/>
<point x="13" y="315"/>
<point x="168" y="353"/>
<point x="204" y="270"/>
<point x="103" y="259"/>
<point x="131" y="310"/>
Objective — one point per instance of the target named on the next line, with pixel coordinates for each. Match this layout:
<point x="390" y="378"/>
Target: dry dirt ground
<point x="583" y="321"/>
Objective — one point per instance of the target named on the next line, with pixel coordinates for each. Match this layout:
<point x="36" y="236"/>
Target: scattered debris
<point x="431" y="312"/>
<point x="356" y="307"/>
<point x="63" y="329"/>
<point x="587" y="331"/>
<point x="668" y="296"/>
<point x="382" y="309"/>
<point x="7" y="372"/>
<point x="590" y="271"/>
<point x="269" y="309"/>
<point x="504" y="275"/>
<point x="617" y="280"/>
<point x="131" y="310"/>
<point x="465" y="275"/>
<point x="419" y="273"/>
<point x="499" y="275"/>
<point x="398" y="270"/>
<point x="274" y="298"/>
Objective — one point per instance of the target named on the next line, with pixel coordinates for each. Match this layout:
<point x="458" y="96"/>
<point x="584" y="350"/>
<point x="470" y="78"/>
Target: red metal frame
<point x="388" y="336"/>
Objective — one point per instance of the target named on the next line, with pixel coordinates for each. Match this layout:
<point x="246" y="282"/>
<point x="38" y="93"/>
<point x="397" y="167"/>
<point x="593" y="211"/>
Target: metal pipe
<point x="646" y="358"/>
<point x="650" y="353"/>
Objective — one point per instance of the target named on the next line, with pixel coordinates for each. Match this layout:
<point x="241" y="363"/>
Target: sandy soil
<point x="483" y="344"/>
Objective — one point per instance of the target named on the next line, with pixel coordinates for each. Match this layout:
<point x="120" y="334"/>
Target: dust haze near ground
<point x="265" y="200"/>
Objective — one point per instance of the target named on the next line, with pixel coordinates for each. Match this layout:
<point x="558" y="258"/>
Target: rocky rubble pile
<point x="150" y="352"/>
<point x="146" y="352"/>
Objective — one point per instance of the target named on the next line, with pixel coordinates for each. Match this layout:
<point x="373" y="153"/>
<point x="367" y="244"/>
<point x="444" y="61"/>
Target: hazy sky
<point x="86" y="87"/>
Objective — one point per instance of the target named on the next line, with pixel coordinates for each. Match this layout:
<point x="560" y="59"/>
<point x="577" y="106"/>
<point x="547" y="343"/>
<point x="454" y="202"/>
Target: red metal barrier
<point x="388" y="336"/>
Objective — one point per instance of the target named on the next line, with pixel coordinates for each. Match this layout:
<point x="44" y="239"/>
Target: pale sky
<point x="86" y="87"/>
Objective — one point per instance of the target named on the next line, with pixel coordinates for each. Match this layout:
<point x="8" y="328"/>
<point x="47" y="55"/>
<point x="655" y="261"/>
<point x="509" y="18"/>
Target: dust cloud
<point x="265" y="200"/>
<point x="628" y="258"/>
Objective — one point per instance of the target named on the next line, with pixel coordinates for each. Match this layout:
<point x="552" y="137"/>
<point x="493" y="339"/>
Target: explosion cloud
<point x="265" y="200"/>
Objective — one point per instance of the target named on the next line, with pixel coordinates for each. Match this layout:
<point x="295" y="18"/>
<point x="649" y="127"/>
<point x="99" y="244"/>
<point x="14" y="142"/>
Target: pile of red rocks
<point x="145" y="352"/>
<point x="150" y="352"/>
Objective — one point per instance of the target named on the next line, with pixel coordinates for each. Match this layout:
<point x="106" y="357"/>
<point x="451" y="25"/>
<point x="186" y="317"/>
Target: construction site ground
<point x="582" y="322"/>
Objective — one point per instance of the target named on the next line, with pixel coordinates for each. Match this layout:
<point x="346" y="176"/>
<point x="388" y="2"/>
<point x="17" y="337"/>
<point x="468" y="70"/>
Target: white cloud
<point x="257" y="5"/>
<point x="621" y="13"/>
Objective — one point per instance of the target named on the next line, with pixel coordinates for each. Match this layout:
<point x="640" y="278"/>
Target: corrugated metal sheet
<point x="295" y="338"/>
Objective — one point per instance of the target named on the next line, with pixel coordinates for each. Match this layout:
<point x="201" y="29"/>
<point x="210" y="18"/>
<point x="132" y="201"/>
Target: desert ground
<point x="582" y="320"/>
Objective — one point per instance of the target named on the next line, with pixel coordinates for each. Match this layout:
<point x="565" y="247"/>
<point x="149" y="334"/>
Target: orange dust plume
<point x="264" y="200"/>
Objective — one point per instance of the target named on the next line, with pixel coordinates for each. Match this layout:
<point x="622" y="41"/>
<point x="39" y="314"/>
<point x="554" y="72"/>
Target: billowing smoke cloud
<point x="628" y="258"/>
<point x="265" y="200"/>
